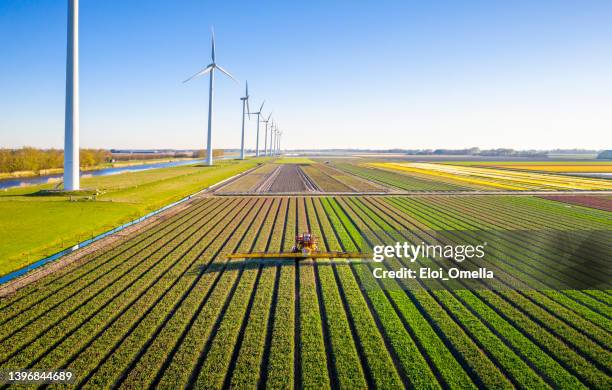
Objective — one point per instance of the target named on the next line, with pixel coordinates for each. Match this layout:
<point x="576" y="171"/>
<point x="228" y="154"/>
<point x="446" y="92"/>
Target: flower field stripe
<point x="414" y="367"/>
<point x="561" y="298"/>
<point x="379" y="361"/>
<point x="454" y="332"/>
<point x="541" y="281"/>
<point x="177" y="330"/>
<point x="180" y="366"/>
<point x="516" y="370"/>
<point x="398" y="180"/>
<point x="544" y="254"/>
<point x="527" y="253"/>
<point x="31" y="332"/>
<point x="324" y="181"/>
<point x="549" y="212"/>
<point x="484" y="218"/>
<point x="144" y="367"/>
<point x="314" y="365"/>
<point x="527" y="243"/>
<point x="549" y="368"/>
<point x="97" y="338"/>
<point x="597" y="354"/>
<point x="275" y="244"/>
<point x="352" y="181"/>
<point x="118" y="359"/>
<point x="528" y="216"/>
<point x="555" y="309"/>
<point x="342" y="339"/>
<point x="213" y="370"/>
<point x="245" y="369"/>
<point x="279" y="367"/>
<point x="110" y="336"/>
<point x="52" y="284"/>
<point x="535" y="332"/>
<point x="446" y="177"/>
<point x="587" y="255"/>
<point x="566" y="357"/>
<point x="512" y="270"/>
<point x="499" y="177"/>
<point x="431" y="345"/>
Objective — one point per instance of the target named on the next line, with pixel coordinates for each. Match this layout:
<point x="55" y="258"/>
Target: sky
<point x="335" y="74"/>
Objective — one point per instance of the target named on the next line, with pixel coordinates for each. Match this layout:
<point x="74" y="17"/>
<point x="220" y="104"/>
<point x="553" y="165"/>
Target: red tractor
<point x="305" y="243"/>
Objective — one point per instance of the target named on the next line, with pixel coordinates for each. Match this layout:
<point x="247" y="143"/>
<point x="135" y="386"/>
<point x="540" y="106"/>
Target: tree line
<point x="33" y="159"/>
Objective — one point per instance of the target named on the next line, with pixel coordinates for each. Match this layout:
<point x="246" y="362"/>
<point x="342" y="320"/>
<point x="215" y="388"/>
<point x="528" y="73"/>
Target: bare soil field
<point x="299" y="178"/>
<point x="291" y="178"/>
<point x="272" y="178"/>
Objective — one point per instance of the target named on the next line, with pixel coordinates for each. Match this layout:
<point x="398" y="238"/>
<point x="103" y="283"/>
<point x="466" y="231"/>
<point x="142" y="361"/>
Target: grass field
<point x="168" y="309"/>
<point x="34" y="226"/>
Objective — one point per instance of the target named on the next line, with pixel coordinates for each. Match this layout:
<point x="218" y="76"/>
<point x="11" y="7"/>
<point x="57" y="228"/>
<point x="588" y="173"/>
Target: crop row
<point x="398" y="180"/>
<point x="177" y="312"/>
<point x="559" y="348"/>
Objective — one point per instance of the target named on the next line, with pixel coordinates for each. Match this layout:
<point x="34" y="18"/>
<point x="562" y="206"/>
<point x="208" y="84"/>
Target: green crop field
<point x="33" y="226"/>
<point x="167" y="308"/>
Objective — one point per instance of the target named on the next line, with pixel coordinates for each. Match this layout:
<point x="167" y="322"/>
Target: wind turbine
<point x="258" y="113"/>
<point x="71" y="124"/>
<point x="276" y="139"/>
<point x="266" y="135"/>
<point x="210" y="69"/>
<point x="245" y="104"/>
<point x="272" y="138"/>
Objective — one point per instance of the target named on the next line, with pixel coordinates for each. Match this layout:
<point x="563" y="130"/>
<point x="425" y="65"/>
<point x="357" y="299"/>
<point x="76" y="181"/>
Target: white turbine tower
<point x="266" y="135"/>
<point x="71" y="124"/>
<point x="258" y="113"/>
<point x="272" y="138"/>
<point x="245" y="105"/>
<point x="210" y="69"/>
<point x="276" y="138"/>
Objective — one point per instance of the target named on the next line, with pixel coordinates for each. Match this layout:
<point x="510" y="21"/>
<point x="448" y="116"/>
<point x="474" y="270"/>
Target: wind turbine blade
<point x="262" y="103"/>
<point x="212" y="31"/>
<point x="226" y="73"/>
<point x="269" y="116"/>
<point x="247" y="89"/>
<point x="200" y="73"/>
<point x="248" y="108"/>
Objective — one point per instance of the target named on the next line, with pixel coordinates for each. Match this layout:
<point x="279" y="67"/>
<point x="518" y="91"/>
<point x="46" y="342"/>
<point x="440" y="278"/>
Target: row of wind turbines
<point x="275" y="134"/>
<point x="71" y="125"/>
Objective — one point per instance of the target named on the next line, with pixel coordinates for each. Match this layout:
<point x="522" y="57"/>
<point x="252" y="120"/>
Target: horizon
<point x="419" y="76"/>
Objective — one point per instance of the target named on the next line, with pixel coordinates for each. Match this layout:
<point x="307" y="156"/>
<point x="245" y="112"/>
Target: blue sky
<point x="375" y="74"/>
